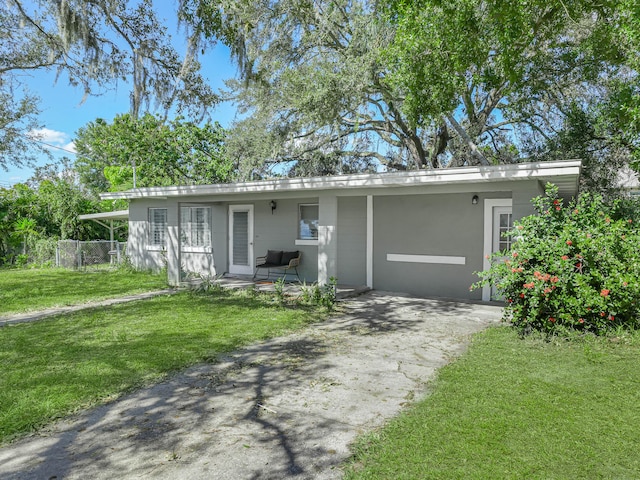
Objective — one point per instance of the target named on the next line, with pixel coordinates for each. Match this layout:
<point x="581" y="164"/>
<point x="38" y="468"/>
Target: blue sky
<point x="63" y="111"/>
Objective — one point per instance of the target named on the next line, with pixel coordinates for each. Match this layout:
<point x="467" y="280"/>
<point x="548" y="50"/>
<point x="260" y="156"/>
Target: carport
<point x="106" y="219"/>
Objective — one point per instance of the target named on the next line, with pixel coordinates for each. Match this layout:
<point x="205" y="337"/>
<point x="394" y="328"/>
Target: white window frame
<point x="154" y="228"/>
<point x="195" y="230"/>
<point x="306" y="240"/>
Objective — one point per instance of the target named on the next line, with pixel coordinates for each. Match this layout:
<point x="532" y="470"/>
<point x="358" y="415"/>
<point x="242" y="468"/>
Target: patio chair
<point x="279" y="261"/>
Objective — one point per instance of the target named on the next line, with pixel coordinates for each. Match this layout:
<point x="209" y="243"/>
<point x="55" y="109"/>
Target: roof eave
<point x="544" y="171"/>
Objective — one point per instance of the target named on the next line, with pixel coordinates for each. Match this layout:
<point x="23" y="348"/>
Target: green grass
<point x="23" y="290"/>
<point x="514" y="408"/>
<point x="53" y="367"/>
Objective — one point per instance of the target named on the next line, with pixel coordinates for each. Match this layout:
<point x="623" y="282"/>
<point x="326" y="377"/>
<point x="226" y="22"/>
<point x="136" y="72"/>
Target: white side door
<point x="241" y="259"/>
<point x="498" y="218"/>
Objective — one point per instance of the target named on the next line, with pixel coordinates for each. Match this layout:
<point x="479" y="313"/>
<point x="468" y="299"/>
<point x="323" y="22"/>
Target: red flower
<point x="602" y="314"/>
<point x="581" y="320"/>
<point x="558" y="208"/>
<point x="569" y="242"/>
<point x="529" y="285"/>
<point x="521" y="295"/>
<point x="624" y="284"/>
<point x="604" y="292"/>
<point x="554" y="279"/>
<point x="547" y="290"/>
<point x="612" y="318"/>
<point x="514" y="254"/>
<point x="630" y="221"/>
<point x="575" y="211"/>
<point x="552" y="320"/>
<point x="564" y="257"/>
<point x="519" y="227"/>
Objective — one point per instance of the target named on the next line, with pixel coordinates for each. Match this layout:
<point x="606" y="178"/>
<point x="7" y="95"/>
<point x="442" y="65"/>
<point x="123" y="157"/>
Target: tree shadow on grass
<point x="245" y="415"/>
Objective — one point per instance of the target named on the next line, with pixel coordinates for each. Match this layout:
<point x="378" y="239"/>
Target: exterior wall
<point x="279" y="231"/>
<point x="138" y="250"/>
<point x="522" y="196"/>
<point x="213" y="262"/>
<point x="446" y="225"/>
<point x="427" y="224"/>
<point x="352" y="240"/>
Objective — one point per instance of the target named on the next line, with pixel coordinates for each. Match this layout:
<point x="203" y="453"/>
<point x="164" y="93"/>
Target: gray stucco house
<point x="421" y="232"/>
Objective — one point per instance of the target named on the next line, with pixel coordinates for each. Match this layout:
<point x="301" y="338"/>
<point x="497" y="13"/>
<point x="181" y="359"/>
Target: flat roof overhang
<point x="564" y="174"/>
<point x="117" y="215"/>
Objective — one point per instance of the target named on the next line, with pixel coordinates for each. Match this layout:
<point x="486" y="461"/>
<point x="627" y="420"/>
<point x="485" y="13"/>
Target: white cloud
<point x="71" y="147"/>
<point x="49" y="136"/>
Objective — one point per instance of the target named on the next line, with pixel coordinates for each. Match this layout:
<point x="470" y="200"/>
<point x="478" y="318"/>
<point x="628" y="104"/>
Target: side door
<point x="498" y="219"/>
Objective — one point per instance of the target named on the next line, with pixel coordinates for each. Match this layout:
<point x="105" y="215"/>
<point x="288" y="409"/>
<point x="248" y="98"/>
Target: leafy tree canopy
<point x="163" y="153"/>
<point x="96" y="45"/>
<point x="430" y="84"/>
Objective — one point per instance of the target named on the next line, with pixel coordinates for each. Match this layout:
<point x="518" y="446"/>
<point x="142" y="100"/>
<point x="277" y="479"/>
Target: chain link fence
<point x="95" y="254"/>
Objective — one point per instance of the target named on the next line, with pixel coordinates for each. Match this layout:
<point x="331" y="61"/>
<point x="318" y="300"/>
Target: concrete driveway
<point x="285" y="408"/>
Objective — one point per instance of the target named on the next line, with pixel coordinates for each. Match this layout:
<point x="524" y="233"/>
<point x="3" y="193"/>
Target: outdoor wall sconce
<point x="474" y="200"/>
<point x="273" y="205"/>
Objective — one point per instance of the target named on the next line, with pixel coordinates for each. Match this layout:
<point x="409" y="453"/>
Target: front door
<point x="241" y="259"/>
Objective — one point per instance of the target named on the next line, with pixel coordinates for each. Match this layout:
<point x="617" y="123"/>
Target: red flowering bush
<point x="574" y="267"/>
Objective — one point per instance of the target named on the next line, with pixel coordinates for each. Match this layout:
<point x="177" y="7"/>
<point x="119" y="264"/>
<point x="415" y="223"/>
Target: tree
<point x="313" y="85"/>
<point x="172" y="153"/>
<point x="424" y="84"/>
<point x="558" y="80"/>
<point x="25" y="228"/>
<point x="95" y="44"/>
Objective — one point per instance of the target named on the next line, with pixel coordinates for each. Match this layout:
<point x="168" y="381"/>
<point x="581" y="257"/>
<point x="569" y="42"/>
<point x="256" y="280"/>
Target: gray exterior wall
<point x="279" y="231"/>
<point x="138" y="242"/>
<point x="438" y="221"/>
<point x="434" y="225"/>
<point x="352" y="240"/>
<point x="522" y="196"/>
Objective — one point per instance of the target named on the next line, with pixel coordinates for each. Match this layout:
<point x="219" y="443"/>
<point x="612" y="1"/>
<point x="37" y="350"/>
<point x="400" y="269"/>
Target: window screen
<point x="195" y="226"/>
<point x="158" y="227"/>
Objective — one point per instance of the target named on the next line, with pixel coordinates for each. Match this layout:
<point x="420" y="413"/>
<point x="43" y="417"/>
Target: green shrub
<point x="573" y="267"/>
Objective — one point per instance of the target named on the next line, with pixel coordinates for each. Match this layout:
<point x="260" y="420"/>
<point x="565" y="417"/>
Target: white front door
<point x="498" y="218"/>
<point x="241" y="259"/>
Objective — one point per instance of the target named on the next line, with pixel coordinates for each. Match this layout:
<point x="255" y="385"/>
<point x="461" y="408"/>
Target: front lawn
<point x="53" y="367"/>
<point x="514" y="408"/>
<point x="24" y="290"/>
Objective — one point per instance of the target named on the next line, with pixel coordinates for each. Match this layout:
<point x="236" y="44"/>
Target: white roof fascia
<point x="117" y="215"/>
<point x="510" y="172"/>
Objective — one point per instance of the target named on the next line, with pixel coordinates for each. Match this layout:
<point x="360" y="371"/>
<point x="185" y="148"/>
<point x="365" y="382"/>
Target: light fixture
<point x="273" y="205"/>
<point x="474" y="200"/>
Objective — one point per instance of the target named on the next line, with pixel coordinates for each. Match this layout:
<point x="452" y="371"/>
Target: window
<point x="195" y="226"/>
<point x="506" y="225"/>
<point x="308" y="222"/>
<point x="158" y="227"/>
